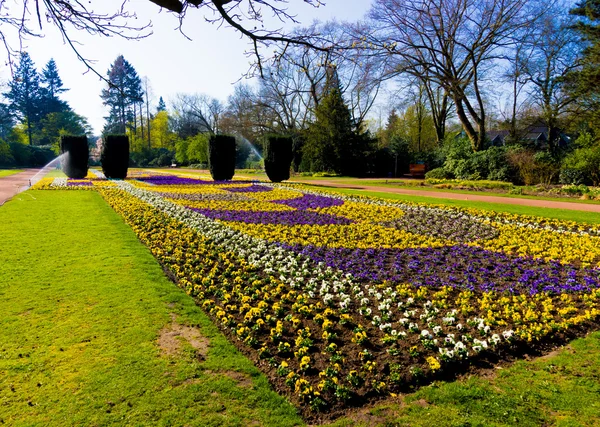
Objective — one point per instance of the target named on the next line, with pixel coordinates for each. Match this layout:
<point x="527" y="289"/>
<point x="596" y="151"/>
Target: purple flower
<point x="311" y="201"/>
<point x="79" y="183"/>
<point x="175" y="180"/>
<point x="288" y="218"/>
<point x="459" y="266"/>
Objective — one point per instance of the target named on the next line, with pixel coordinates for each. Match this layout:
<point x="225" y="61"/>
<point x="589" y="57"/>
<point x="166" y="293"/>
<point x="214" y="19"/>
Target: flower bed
<point x="340" y="300"/>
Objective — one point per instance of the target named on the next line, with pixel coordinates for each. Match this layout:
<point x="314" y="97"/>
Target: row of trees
<point x="447" y="67"/>
<point x="34" y="113"/>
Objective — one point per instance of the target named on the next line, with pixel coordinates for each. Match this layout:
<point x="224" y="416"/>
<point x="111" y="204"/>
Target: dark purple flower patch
<point x="254" y="188"/>
<point x="460" y="266"/>
<point x="288" y="218"/>
<point x="174" y="180"/>
<point x="311" y="201"/>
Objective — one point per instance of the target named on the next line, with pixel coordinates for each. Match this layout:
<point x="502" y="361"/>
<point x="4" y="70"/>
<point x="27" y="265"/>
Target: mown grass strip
<point x="82" y="304"/>
<point x="9" y="172"/>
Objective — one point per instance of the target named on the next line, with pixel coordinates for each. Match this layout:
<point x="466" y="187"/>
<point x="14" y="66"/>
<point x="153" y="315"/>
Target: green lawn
<point x="82" y="304"/>
<point x="8" y="172"/>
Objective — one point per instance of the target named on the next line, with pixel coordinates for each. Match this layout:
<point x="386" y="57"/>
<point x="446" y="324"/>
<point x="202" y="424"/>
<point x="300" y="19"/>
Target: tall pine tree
<point x="585" y="82"/>
<point x="161" y="105"/>
<point x="52" y="87"/>
<point x="24" y="94"/>
<point x="123" y="93"/>
<point x="333" y="142"/>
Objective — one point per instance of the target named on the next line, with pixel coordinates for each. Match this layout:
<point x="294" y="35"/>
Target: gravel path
<point x="14" y="184"/>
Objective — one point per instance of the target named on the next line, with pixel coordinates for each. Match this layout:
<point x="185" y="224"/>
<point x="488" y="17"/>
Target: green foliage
<point x="585" y="163"/>
<point x="30" y="155"/>
<point x="439" y="173"/>
<point x="161" y="135"/>
<point x="332" y="142"/>
<point x="6" y="157"/>
<point x="570" y="176"/>
<point x="221" y="157"/>
<point x="533" y="167"/>
<point x="75" y="163"/>
<point x="115" y="156"/>
<point x="463" y="163"/>
<point x="460" y="183"/>
<point x="197" y="151"/>
<point x="154" y="157"/>
<point x="55" y="124"/>
<point x="278" y="157"/>
<point x="123" y="91"/>
<point x="242" y="152"/>
<point x="181" y="148"/>
<point x="25" y="93"/>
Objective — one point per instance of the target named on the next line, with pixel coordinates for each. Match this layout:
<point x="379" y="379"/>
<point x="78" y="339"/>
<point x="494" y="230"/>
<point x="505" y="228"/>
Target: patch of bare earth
<point x="172" y="337"/>
<point x="240" y="378"/>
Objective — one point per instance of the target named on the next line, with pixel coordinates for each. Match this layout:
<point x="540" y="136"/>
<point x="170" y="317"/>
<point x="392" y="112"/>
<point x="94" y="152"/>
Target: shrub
<point x="278" y="157"/>
<point x="6" y="157"/>
<point x="463" y="163"/>
<point x="533" y="168"/>
<point x="586" y="161"/>
<point x="569" y="176"/>
<point x="115" y="156"/>
<point x="75" y="162"/>
<point x="21" y="153"/>
<point x="439" y="173"/>
<point x="221" y="157"/>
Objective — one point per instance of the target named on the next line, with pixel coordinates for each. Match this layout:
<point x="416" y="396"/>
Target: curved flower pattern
<point x="348" y="297"/>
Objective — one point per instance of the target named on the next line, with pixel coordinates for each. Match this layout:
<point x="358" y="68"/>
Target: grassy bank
<point x="9" y="172"/>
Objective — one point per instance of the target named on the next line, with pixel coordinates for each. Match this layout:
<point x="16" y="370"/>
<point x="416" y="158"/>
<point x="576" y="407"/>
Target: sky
<point x="210" y="63"/>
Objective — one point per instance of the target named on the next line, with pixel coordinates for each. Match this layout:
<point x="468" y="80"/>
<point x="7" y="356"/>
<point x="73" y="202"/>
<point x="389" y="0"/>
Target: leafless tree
<point x="554" y="52"/>
<point x="451" y="42"/>
<point x="358" y="75"/>
<point x="205" y="110"/>
<point x="27" y="18"/>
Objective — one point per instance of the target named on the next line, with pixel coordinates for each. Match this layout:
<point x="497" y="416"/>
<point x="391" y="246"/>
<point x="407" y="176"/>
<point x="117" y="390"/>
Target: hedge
<point x="115" y="156"/>
<point x="75" y="162"/>
<point x="278" y="157"/>
<point x="221" y="157"/>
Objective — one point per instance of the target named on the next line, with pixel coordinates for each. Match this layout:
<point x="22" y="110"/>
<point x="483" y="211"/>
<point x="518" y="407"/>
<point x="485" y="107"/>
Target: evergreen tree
<point x="333" y="143"/>
<point x="161" y="105"/>
<point x="123" y="93"/>
<point x="6" y="122"/>
<point x="25" y="94"/>
<point x="52" y="86"/>
<point x="585" y="82"/>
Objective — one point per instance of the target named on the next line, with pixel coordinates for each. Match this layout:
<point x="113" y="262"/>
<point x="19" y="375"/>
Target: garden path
<point x="14" y="184"/>
<point x="459" y="196"/>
